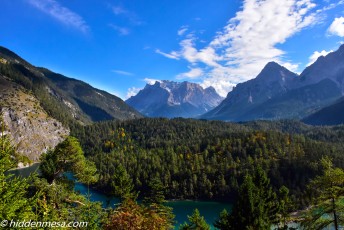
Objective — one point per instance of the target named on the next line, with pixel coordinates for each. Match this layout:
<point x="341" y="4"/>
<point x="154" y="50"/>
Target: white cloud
<point x="61" y="13"/>
<point x="316" y="55"/>
<point x="192" y="74"/>
<point x="182" y="30"/>
<point x="123" y="31"/>
<point x="132" y="92"/>
<point x="172" y="55"/>
<point x="151" y="81"/>
<point x="131" y="16"/>
<point x="337" y="27"/>
<point x="249" y="40"/>
<point x="121" y="72"/>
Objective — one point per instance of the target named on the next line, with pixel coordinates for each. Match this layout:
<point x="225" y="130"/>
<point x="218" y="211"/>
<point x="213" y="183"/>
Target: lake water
<point x="181" y="208"/>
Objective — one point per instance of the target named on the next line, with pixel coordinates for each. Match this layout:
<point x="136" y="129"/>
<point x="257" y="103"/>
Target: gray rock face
<point x="31" y="130"/>
<point x="174" y="99"/>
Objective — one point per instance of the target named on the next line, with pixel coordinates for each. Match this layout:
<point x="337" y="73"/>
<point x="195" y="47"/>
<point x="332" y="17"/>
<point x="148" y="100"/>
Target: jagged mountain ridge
<point x="174" y="99"/>
<point x="271" y="81"/>
<point x="66" y="99"/>
<point x="268" y="96"/>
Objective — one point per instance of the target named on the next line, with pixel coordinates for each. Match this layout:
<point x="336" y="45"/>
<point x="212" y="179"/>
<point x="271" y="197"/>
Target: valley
<point x="269" y="157"/>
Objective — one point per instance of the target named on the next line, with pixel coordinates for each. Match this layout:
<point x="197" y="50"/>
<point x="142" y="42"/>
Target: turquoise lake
<point x="181" y="208"/>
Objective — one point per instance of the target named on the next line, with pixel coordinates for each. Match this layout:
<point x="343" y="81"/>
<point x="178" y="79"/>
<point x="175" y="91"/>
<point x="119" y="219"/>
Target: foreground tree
<point x="130" y="215"/>
<point x="196" y="222"/>
<point x="67" y="156"/>
<point x="15" y="201"/>
<point x="256" y="207"/>
<point x="155" y="200"/>
<point x="329" y="190"/>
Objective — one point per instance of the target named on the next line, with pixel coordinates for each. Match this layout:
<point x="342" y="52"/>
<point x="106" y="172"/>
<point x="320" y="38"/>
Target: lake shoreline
<point x="22" y="166"/>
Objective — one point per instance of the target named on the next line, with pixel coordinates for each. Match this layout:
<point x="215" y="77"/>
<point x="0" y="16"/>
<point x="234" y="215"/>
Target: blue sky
<point x="119" y="46"/>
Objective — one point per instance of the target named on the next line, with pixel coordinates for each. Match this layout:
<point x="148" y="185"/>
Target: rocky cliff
<point x="30" y="128"/>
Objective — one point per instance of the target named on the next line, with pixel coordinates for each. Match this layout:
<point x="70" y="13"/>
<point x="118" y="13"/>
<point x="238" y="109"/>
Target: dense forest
<point x="208" y="159"/>
<point x="266" y="169"/>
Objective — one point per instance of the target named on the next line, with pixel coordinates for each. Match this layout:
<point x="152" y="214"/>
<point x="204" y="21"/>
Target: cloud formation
<point x="123" y="31"/>
<point x="61" y="14"/>
<point x="131" y="16"/>
<point x="249" y="40"/>
<point x="121" y="72"/>
<point x="172" y="55"/>
<point x="192" y="74"/>
<point x="337" y="27"/>
<point x="182" y="30"/>
<point x="151" y="81"/>
<point x="132" y="92"/>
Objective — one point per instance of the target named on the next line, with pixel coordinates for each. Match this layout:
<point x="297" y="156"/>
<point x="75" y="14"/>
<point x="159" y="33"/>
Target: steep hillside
<point x="30" y="128"/>
<point x="66" y="99"/>
<point x="174" y="99"/>
<point x="330" y="115"/>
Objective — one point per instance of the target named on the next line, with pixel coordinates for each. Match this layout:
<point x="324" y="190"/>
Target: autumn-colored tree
<point x="130" y="215"/>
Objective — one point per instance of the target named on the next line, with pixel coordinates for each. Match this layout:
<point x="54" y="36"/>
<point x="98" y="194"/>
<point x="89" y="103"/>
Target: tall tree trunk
<point x="335" y="218"/>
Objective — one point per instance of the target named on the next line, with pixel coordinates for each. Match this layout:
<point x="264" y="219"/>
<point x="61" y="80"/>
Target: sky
<point x="119" y="46"/>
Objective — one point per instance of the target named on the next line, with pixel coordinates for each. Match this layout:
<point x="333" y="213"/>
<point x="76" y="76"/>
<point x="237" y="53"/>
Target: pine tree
<point x="196" y="222"/>
<point x="122" y="185"/>
<point x="222" y="222"/>
<point x="155" y="200"/>
<point x="256" y="207"/>
<point x="67" y="156"/>
<point x="15" y="202"/>
<point x="329" y="207"/>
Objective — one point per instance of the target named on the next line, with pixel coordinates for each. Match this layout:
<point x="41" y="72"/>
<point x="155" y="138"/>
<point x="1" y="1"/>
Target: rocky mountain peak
<point x="185" y="98"/>
<point x="275" y="72"/>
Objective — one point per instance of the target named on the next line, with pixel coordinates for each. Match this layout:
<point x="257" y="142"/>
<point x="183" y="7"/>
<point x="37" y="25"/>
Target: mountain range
<point x="62" y="97"/>
<point x="277" y="93"/>
<point x="38" y="106"/>
<point x="174" y="99"/>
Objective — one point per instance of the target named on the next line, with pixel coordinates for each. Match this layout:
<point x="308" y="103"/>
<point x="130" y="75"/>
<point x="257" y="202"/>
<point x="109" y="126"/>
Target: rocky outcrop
<point x="30" y="128"/>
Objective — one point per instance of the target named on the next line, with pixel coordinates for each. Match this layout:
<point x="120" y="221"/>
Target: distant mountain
<point x="277" y="93"/>
<point x="330" y="115"/>
<point x="66" y="99"/>
<point x="273" y="80"/>
<point x="329" y="67"/>
<point x="173" y="99"/>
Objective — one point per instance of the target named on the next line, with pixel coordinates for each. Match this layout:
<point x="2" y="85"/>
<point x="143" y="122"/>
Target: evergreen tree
<point x="329" y="190"/>
<point x="122" y="185"/>
<point x="15" y="201"/>
<point x="155" y="200"/>
<point x="196" y="222"/>
<point x="67" y="156"/>
<point x="256" y="207"/>
<point x="284" y="207"/>
<point x="222" y="222"/>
